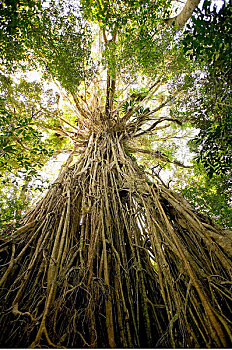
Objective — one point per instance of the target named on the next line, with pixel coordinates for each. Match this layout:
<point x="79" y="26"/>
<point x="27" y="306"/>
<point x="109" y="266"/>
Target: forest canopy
<point x="122" y="246"/>
<point x="65" y="41"/>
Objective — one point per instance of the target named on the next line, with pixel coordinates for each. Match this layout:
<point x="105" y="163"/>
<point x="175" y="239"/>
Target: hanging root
<point x="107" y="259"/>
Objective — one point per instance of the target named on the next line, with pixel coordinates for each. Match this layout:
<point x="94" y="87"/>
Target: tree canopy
<point x="58" y="38"/>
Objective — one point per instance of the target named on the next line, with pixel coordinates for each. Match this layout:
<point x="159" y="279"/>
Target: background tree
<point x="213" y="100"/>
<point x="16" y="25"/>
<point x="109" y="257"/>
<point x="25" y="147"/>
<point x="207" y="105"/>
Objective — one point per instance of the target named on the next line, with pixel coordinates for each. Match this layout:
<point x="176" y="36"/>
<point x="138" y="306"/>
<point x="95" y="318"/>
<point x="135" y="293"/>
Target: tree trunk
<point x="180" y="20"/>
<point x="110" y="259"/>
<point x="22" y="198"/>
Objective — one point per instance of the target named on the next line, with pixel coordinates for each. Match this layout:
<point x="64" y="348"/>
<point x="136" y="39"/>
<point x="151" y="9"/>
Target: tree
<point x="209" y="104"/>
<point x="24" y="149"/>
<point x="206" y="105"/>
<point x="16" y="21"/>
<point x="109" y="257"/>
<point x="209" y="196"/>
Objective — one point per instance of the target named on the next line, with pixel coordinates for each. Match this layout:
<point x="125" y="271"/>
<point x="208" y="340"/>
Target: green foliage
<point x="206" y="104"/>
<point x="130" y="155"/>
<point x="56" y="36"/>
<point x="10" y="202"/>
<point x="16" y="22"/>
<point x="213" y="144"/>
<point x="195" y="74"/>
<point x="115" y="14"/>
<point x="136" y="95"/>
<point x="209" y="195"/>
<point x="51" y="34"/>
<point x="23" y="105"/>
<point x="127" y="105"/>
<point x="15" y="132"/>
<point x="144" y="45"/>
<point x="208" y="40"/>
<point x="18" y="163"/>
<point x="17" y="193"/>
<point x="24" y="148"/>
<point x="205" y="94"/>
<point x="63" y="45"/>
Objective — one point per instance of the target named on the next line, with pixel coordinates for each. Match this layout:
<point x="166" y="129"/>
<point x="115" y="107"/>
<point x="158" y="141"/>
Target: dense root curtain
<point x="110" y="259"/>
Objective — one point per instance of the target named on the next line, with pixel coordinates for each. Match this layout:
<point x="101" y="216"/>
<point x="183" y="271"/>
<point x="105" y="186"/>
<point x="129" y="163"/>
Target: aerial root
<point x="107" y="259"/>
<point x="16" y="311"/>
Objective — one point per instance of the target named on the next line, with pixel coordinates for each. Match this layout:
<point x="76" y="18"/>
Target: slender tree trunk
<point x="22" y="197"/>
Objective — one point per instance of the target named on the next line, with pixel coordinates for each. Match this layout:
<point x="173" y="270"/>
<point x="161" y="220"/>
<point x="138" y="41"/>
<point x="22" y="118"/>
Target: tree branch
<point x="152" y="127"/>
<point x="180" y="20"/>
<point x="158" y="155"/>
<point x="156" y="85"/>
<point x="21" y="144"/>
<point x="57" y="130"/>
<point x="110" y="90"/>
<point x="80" y="112"/>
<point x="111" y="94"/>
<point x="66" y="122"/>
<point x="107" y="95"/>
<point x="80" y="109"/>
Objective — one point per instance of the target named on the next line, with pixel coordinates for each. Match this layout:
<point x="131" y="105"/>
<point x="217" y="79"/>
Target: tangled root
<point x="109" y="259"/>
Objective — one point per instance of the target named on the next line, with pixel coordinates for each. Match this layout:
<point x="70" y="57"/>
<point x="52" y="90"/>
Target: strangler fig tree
<point x="110" y="257"/>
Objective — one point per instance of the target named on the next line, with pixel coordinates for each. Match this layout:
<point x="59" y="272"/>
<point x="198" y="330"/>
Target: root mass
<point x="109" y="259"/>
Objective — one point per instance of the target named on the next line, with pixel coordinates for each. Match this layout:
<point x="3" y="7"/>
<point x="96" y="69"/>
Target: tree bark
<point x="180" y="20"/>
